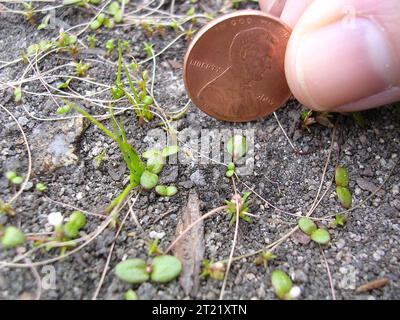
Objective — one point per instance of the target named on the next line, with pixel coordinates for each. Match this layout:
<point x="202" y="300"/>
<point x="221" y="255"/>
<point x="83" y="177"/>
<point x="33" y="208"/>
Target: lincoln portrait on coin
<point x="250" y="56"/>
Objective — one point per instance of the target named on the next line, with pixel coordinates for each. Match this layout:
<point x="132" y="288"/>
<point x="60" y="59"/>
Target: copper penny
<point x="234" y="67"/>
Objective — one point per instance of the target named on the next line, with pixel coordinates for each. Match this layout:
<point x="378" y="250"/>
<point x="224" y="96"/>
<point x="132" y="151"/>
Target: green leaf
<point x="45" y="22"/>
<point x="71" y="230"/>
<point x="113" y="8"/>
<point x="17" y="94"/>
<point x="131" y="295"/>
<point x="94" y="25"/>
<point x="165" y="191"/>
<point x="231" y="166"/>
<point x="117" y="92"/>
<point x="340" y="220"/>
<point x="147" y="100"/>
<point x="100" y="18"/>
<point x="161" y="190"/>
<point x="169" y="151"/>
<point x="12" y="237"/>
<point x="237" y="147"/>
<point x="67" y="2"/>
<point x="64" y="109"/>
<point x="118" y="16"/>
<point x="11" y="175"/>
<point x="41" y="187"/>
<point x="151" y="153"/>
<point x="229" y="173"/>
<point x="133" y="271"/>
<point x="344" y="196"/>
<point x="341" y="176"/>
<point x="154" y="247"/>
<point x="321" y="236"/>
<point x="281" y="282"/>
<point x="65" y="85"/>
<point x="165" y="269"/>
<point x="109" y="23"/>
<point x="171" y="191"/>
<point x="148" y="180"/>
<point x="155" y="164"/>
<point x="17" y="180"/>
<point x="307" y="225"/>
<point x="78" y="218"/>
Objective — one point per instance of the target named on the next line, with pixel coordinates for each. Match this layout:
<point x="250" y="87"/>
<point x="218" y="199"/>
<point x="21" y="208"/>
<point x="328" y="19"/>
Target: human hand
<point x="343" y="55"/>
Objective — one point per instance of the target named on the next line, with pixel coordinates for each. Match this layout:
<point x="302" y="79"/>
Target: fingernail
<point x="338" y="64"/>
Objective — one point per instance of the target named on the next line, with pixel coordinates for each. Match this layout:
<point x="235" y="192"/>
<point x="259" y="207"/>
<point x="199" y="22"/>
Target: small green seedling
<point x="175" y="25"/>
<point x="191" y="13"/>
<point x="242" y="204"/>
<point x="230" y="170"/>
<point x="307" y="225"/>
<point x="340" y="220"/>
<point x="307" y="119"/>
<point x="264" y="258"/>
<point x="97" y="23"/>
<point x="76" y="222"/>
<point x="154" y="249"/>
<point x="148" y="28"/>
<point x="41" y="187"/>
<point x="342" y="183"/>
<point x="148" y="48"/>
<point x="282" y="284"/>
<point x="237" y="147"/>
<point x="65" y="85"/>
<point x="116" y="11"/>
<point x="148" y="180"/>
<point x="14" y="178"/>
<point x="110" y="46"/>
<point x="162" y="269"/>
<point x="321" y="236"/>
<point x="214" y="270"/>
<point x="166" y="191"/>
<point x="65" y="39"/>
<point x="12" y="237"/>
<point x="131" y="295"/>
<point x="17" y="94"/>
<point x="81" y="68"/>
<point x="45" y="22"/>
<point x="155" y="164"/>
<point x="92" y="41"/>
<point x="341" y="177"/>
<point x="5" y="208"/>
<point x="29" y="13"/>
<point x="344" y="196"/>
<point x="64" y="109"/>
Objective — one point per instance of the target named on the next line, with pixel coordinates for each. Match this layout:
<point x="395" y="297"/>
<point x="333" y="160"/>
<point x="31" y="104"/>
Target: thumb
<point x="344" y="55"/>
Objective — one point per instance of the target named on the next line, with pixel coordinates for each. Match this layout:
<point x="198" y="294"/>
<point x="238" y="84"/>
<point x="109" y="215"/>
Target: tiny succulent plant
<point x="342" y="187"/>
<point x="318" y="235"/>
<point x="162" y="269"/>
<point x="242" y="204"/>
<point x="11" y="237"/>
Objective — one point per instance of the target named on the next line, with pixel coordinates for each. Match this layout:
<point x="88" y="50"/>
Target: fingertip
<point x="331" y="66"/>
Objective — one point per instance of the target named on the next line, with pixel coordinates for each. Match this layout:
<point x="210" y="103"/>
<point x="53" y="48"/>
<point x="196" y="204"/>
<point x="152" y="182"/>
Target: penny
<point x="234" y="67"/>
